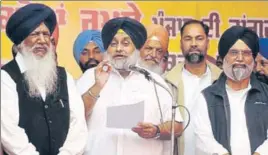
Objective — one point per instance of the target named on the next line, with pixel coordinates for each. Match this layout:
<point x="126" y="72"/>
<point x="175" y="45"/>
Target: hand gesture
<point x="145" y="130"/>
<point x="102" y="73"/>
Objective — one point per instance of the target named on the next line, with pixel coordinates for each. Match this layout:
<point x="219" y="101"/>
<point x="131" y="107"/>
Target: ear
<point x="181" y="44"/>
<point x="208" y="43"/>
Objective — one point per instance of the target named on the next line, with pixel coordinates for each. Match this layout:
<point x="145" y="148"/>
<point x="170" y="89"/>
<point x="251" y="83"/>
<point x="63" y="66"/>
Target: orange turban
<point x="55" y="34"/>
<point x="160" y="33"/>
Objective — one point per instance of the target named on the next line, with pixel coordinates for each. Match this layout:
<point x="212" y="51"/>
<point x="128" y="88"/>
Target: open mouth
<point x="239" y="66"/>
<point x="119" y="56"/>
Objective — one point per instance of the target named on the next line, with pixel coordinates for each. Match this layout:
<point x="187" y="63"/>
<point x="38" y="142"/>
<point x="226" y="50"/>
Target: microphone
<point x="140" y="70"/>
<point x="147" y="75"/>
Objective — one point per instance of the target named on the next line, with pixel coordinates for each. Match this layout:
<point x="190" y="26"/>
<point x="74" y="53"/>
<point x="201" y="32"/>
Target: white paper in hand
<point x="125" y="116"/>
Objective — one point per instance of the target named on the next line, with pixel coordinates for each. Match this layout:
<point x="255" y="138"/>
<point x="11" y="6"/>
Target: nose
<point x="153" y="52"/>
<point x="193" y="43"/>
<point x="91" y="54"/>
<point x="42" y="39"/>
<point x="240" y="56"/>
<point x="119" y="47"/>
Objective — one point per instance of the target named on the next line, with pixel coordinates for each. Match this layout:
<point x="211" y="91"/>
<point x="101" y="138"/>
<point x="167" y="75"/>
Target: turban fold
<point x="83" y="39"/>
<point x="231" y="35"/>
<point x="26" y="19"/>
<point x="264" y="47"/>
<point x="134" y="29"/>
<point x="160" y="33"/>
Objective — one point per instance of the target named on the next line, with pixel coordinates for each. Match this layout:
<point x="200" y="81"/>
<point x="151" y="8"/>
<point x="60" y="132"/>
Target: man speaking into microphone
<point x="112" y="83"/>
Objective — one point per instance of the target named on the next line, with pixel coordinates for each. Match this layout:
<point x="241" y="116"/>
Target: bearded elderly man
<point x="122" y="38"/>
<point x="232" y="113"/>
<point x="155" y="48"/>
<point x="41" y="110"/>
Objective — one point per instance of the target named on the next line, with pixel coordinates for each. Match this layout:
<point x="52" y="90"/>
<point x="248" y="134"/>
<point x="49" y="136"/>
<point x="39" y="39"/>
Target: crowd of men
<point x="44" y="111"/>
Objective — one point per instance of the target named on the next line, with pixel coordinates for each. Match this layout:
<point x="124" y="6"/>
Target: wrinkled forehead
<point x="41" y="28"/>
<point x="153" y="43"/>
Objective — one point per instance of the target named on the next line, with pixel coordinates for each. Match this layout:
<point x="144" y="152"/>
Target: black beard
<point x="261" y="77"/>
<point x="194" y="58"/>
<point x="89" y="64"/>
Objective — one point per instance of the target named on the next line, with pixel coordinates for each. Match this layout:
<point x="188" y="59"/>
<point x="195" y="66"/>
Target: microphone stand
<point x="174" y="106"/>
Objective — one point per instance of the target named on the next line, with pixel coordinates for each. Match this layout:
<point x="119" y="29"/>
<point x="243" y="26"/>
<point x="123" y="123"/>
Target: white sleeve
<point x="86" y="81"/>
<point x="263" y="149"/>
<point x="205" y="141"/>
<point x="13" y="137"/>
<point x="77" y="134"/>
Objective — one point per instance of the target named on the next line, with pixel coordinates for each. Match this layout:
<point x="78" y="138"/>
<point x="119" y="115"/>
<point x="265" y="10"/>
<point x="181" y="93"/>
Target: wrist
<point x="94" y="91"/>
<point x="97" y="86"/>
<point x="158" y="132"/>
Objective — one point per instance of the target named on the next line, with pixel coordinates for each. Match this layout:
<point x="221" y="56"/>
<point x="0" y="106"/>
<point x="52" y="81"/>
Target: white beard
<point x="123" y="64"/>
<point x="235" y="73"/>
<point x="156" y="68"/>
<point x="41" y="71"/>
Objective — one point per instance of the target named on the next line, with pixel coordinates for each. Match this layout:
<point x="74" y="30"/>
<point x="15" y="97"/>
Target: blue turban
<point x="264" y="47"/>
<point x="83" y="39"/>
<point x="26" y="19"/>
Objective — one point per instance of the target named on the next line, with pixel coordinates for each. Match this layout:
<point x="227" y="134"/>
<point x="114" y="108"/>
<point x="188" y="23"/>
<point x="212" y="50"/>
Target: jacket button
<point x="50" y="122"/>
<point x="46" y="106"/>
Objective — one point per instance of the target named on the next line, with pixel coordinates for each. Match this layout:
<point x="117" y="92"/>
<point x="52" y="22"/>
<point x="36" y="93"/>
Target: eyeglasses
<point x="235" y="53"/>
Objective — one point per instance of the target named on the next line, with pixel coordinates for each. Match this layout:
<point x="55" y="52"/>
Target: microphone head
<point x="132" y="67"/>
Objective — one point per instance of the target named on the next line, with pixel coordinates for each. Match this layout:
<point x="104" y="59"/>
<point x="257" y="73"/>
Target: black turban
<point x="231" y="35"/>
<point x="131" y="27"/>
<point x="26" y="19"/>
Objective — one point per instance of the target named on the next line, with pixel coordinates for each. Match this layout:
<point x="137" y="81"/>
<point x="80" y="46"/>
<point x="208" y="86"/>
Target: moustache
<point x="89" y="64"/>
<point x="119" y="55"/>
<point x="194" y="50"/>
<point x="37" y="47"/>
<point x="151" y="58"/>
<point x="194" y="58"/>
<point x="239" y="66"/>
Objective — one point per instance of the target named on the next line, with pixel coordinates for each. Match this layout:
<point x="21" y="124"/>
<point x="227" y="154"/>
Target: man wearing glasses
<point x="232" y="113"/>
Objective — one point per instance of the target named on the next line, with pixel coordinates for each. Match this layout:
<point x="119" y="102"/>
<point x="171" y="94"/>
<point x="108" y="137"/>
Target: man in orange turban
<point x="154" y="49"/>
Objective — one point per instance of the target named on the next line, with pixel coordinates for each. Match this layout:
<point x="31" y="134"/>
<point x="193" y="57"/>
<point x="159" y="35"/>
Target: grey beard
<point x="154" y="68"/>
<point x="194" y="58"/>
<point x="237" y="73"/>
<point x="123" y="64"/>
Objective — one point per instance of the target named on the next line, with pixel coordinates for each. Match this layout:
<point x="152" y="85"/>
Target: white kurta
<point x="240" y="145"/>
<point x="14" y="138"/>
<point x="192" y="86"/>
<point x="120" y="91"/>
